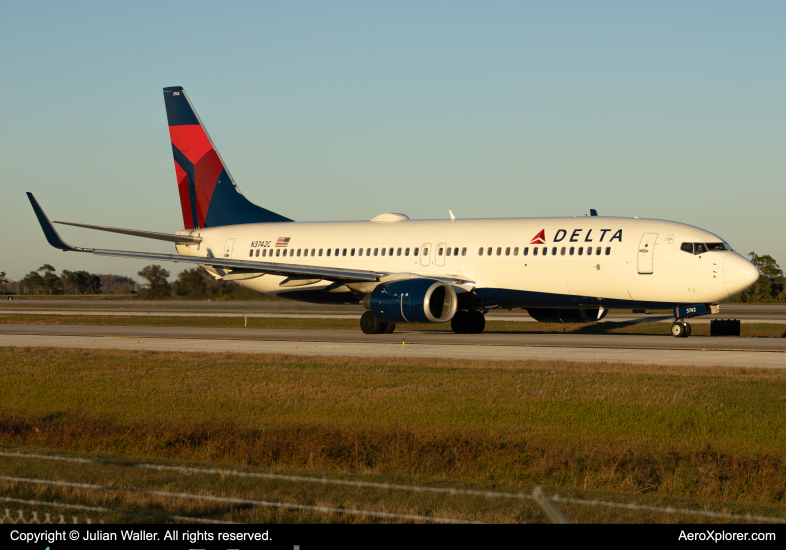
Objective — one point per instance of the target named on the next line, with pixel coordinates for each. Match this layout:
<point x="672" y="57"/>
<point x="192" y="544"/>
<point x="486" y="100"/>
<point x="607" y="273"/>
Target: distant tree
<point x="769" y="287"/>
<point x="51" y="283"/>
<point x="32" y="283"/>
<point x="158" y="285"/>
<point x="196" y="283"/>
<point x="3" y="281"/>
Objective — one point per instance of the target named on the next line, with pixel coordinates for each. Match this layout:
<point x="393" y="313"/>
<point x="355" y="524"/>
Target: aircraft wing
<point x="244" y="266"/>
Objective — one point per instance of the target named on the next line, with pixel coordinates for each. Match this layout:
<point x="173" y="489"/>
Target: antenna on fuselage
<point x="452" y="217"/>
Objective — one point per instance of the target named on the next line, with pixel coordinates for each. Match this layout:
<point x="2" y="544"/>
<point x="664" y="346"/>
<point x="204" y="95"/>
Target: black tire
<point x="389" y="327"/>
<point x="678" y="330"/>
<point x="477" y="322"/>
<point x="461" y="322"/>
<point x="687" y="330"/>
<point x="370" y="324"/>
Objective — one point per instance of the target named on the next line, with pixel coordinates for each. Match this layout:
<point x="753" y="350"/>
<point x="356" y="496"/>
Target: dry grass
<point x="701" y="437"/>
<point x="751" y="330"/>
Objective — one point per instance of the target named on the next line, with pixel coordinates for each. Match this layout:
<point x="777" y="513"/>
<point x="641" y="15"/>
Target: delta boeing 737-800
<point x="571" y="269"/>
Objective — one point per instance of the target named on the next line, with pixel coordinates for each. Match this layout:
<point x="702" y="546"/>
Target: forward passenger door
<point x="646" y="252"/>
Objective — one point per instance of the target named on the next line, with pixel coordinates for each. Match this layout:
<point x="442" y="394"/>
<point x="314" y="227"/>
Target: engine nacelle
<point x="554" y="315"/>
<point x="413" y="301"/>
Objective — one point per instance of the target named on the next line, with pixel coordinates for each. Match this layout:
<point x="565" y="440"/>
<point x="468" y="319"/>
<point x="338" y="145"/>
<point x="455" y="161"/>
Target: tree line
<point x="194" y="283"/>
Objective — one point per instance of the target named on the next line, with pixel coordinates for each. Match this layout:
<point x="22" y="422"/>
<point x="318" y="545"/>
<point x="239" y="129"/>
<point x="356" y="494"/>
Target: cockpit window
<point x="703" y="248"/>
<point x="687" y="247"/>
<point x="699" y="248"/>
<point x="716" y="246"/>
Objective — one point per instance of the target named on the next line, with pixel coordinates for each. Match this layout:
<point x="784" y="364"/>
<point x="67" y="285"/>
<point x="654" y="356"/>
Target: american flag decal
<point x="282" y="242"/>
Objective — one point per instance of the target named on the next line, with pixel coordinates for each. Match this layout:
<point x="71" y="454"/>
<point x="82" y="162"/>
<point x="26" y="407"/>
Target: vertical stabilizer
<point x="208" y="194"/>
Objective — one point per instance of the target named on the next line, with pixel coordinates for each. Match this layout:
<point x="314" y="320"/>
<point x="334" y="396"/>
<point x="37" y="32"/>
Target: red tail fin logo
<point x="540" y="238"/>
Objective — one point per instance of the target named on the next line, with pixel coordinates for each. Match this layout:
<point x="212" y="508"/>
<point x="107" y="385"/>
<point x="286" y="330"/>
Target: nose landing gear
<point x="680" y="329"/>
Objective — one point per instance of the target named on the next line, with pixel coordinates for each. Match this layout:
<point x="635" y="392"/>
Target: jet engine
<point x="554" y="315"/>
<point x="413" y="301"/>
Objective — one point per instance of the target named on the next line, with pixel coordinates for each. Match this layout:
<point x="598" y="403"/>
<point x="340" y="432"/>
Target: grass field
<point x="703" y="438"/>
<point x="755" y="330"/>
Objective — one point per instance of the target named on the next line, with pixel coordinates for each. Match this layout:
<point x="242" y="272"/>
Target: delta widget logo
<point x="540" y="238"/>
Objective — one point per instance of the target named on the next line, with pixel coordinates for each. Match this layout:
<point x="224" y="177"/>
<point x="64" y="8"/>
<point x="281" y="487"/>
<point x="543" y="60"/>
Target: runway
<point x="694" y="351"/>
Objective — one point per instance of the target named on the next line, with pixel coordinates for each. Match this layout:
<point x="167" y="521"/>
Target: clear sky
<point x="344" y="110"/>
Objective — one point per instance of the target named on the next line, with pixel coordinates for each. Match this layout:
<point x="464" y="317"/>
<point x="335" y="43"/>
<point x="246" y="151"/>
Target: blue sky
<point x="344" y="110"/>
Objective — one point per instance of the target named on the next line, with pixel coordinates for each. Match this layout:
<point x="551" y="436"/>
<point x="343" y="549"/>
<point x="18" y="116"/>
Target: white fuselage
<point x="631" y="261"/>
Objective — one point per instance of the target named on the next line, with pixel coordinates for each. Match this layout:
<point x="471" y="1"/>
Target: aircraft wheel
<point x="477" y="322"/>
<point x="370" y="324"/>
<point x="461" y="322"/>
<point x="687" y="330"/>
<point x="678" y="330"/>
<point x="389" y="327"/>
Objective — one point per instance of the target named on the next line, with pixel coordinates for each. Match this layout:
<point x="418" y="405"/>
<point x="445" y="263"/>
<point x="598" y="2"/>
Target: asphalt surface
<point x="694" y="351"/>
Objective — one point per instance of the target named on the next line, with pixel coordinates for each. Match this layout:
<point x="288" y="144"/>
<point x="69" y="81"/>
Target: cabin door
<point x="646" y="252"/>
<point x="228" y="248"/>
<point x="425" y="254"/>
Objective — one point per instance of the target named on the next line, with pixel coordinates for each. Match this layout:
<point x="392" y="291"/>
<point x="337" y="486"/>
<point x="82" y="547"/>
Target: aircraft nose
<point x="738" y="273"/>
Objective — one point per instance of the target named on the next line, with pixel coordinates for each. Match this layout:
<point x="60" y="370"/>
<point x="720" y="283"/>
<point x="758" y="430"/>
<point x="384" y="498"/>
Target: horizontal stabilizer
<point x="182" y="239"/>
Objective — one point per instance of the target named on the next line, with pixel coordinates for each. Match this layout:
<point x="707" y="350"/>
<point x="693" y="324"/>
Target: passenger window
<point x="439" y="252"/>
<point x="545" y="250"/>
<point x="455" y="251"/>
<point x="292" y="252"/>
<point x="328" y="251"/>
<point x="572" y="250"/>
<point x="554" y="251"/>
<point x="360" y="251"/>
<point x="687" y="247"/>
<point x="383" y="251"/>
<point x="516" y="251"/>
<point x="336" y="254"/>
<point x="278" y="252"/>
<point x="390" y="252"/>
<point x="351" y="252"/>
<point x="375" y="251"/>
<point x="398" y="252"/>
<point x="298" y="252"/>
<point x="425" y="251"/>
<point x="507" y="251"/>
<point x="499" y="251"/>
<point x="589" y="251"/>
<point x="344" y="252"/>
<point x="448" y="251"/>
<point x="581" y="251"/>
<point x="488" y="251"/>
<point x="406" y="252"/>
<point x="368" y="252"/>
<point x="597" y="251"/>
<point x="263" y="252"/>
<point x="464" y="251"/>
<point x="562" y="251"/>
<point x="480" y="251"/>
<point x="608" y="250"/>
<point x="526" y="251"/>
<point x="320" y="252"/>
<point x="535" y="251"/>
<point x="415" y="252"/>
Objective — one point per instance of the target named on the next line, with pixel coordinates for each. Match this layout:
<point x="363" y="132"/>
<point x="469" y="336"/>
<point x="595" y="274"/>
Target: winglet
<point x="49" y="231"/>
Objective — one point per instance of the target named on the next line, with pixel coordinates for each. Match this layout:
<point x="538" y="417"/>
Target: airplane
<point x="561" y="270"/>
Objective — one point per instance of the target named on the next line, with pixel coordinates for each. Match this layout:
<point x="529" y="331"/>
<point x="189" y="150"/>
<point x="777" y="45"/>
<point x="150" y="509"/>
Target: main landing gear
<point x="468" y="322"/>
<point x="680" y="329"/>
<point x="371" y="325"/>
